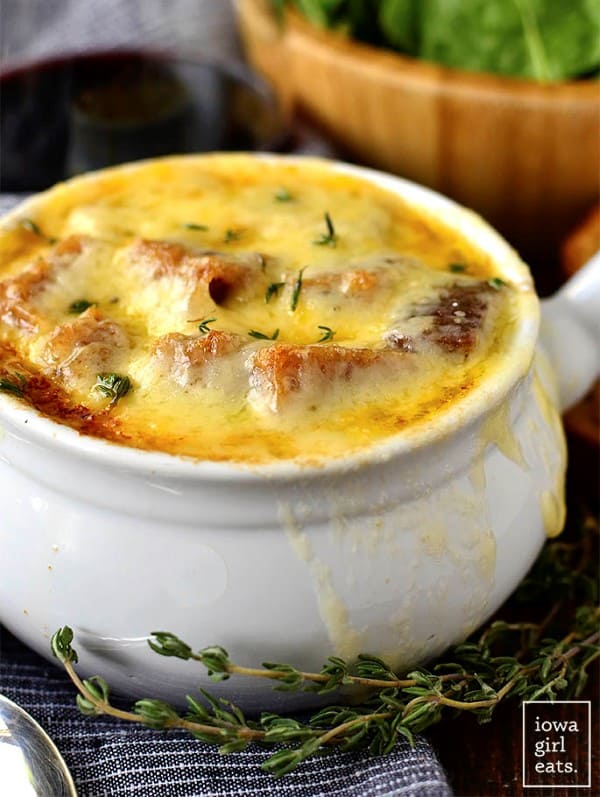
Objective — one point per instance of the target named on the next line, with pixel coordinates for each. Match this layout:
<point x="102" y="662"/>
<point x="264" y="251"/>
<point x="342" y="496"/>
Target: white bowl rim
<point x="488" y="394"/>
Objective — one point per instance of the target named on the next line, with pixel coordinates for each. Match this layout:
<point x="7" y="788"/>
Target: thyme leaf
<point x="261" y="336"/>
<point x="328" y="334"/>
<point x="273" y="290"/>
<point x="113" y="386"/>
<point x="9" y="386"/>
<point x="547" y="655"/>
<point x="191" y="225"/>
<point x="330" y="237"/>
<point x="80" y="306"/>
<point x="457" y="268"/>
<point x="496" y="283"/>
<point x="233" y="235"/>
<point x="297" y="290"/>
<point x="203" y="327"/>
<point x="283" y="195"/>
<point x="32" y="226"/>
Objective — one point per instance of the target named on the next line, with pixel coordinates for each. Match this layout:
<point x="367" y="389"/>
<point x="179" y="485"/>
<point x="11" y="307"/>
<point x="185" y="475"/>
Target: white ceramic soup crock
<point x="399" y="551"/>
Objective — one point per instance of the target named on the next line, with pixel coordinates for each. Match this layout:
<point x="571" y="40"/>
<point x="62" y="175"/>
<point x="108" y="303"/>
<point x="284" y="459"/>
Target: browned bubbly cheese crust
<point x="184" y="306"/>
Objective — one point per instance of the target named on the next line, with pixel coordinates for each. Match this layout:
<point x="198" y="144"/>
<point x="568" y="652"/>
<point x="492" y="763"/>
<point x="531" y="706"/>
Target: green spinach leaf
<point x="540" y="39"/>
<point x="400" y="23"/>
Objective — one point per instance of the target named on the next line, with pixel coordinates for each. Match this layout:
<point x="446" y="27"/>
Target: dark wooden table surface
<point x="486" y="760"/>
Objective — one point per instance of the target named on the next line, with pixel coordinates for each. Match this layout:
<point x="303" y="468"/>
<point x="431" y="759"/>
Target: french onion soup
<point x="236" y="309"/>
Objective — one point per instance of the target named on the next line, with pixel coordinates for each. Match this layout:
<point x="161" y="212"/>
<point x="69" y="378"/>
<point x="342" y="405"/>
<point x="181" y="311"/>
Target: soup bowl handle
<point x="570" y="333"/>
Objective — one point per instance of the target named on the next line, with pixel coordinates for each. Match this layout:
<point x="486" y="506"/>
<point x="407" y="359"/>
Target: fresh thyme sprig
<point x="553" y="654"/>
<point x="330" y="237"/>
<point x="113" y="386"/>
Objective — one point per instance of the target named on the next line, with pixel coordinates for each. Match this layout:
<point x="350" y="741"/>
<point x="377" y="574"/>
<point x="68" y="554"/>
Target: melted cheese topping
<point x="261" y="311"/>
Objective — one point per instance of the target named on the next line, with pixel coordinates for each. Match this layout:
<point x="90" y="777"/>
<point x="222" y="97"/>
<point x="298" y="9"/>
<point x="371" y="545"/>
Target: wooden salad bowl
<point x="525" y="155"/>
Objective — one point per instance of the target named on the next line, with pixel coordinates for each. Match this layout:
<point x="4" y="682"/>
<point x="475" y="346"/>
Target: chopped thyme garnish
<point x="283" y="195"/>
<point x="261" y="336"/>
<point x="457" y="268"/>
<point x="80" y="306"/>
<point x="113" y="386"/>
<point x="29" y="224"/>
<point x="203" y="326"/>
<point x="297" y="289"/>
<point x="328" y="334"/>
<point x="6" y="386"/>
<point x="330" y="237"/>
<point x="191" y="225"/>
<point x="232" y="235"/>
<point x="273" y="290"/>
<point x="496" y="283"/>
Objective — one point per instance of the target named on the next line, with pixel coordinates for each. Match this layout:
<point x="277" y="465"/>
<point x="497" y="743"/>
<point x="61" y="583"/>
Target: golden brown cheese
<point x="181" y="306"/>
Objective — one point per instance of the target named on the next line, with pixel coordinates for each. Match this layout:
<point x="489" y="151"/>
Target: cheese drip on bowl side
<point x="231" y="309"/>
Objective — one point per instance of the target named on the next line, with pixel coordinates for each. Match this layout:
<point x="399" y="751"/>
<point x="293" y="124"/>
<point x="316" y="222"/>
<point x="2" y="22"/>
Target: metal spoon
<point x="30" y="764"/>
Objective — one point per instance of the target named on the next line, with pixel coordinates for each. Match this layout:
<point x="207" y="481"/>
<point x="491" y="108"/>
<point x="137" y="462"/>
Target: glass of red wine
<point x="79" y="112"/>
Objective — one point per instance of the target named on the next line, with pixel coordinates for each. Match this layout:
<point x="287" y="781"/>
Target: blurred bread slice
<point x="583" y="420"/>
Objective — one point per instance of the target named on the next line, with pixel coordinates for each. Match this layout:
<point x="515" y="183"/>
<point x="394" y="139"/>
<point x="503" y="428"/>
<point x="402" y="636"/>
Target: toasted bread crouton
<point x="78" y="350"/>
<point x="282" y="371"/>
